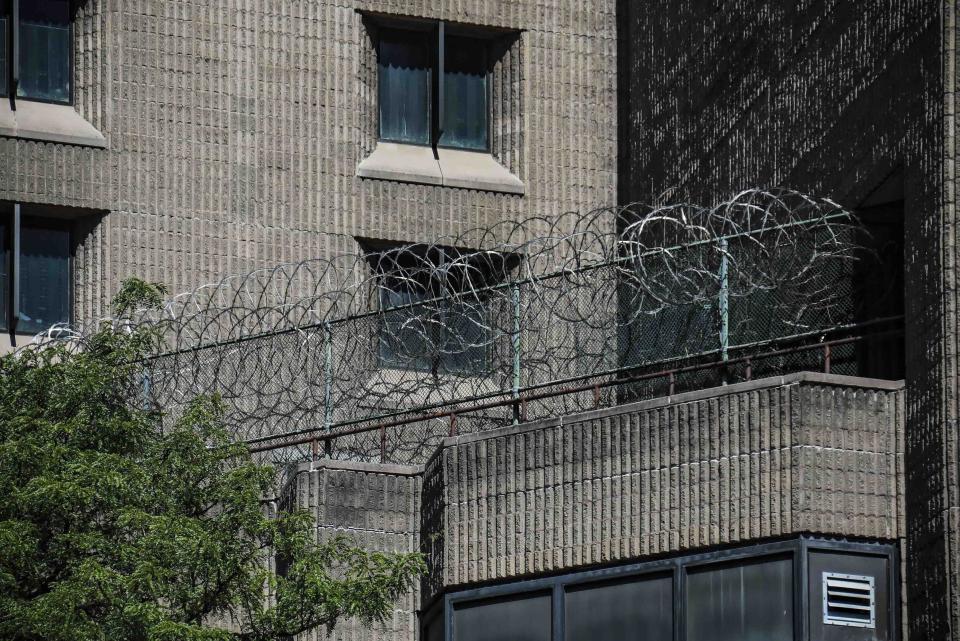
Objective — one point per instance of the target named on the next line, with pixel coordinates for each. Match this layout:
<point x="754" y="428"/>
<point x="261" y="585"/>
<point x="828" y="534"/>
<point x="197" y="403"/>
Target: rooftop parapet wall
<point x="804" y="453"/>
<point x="378" y="507"/>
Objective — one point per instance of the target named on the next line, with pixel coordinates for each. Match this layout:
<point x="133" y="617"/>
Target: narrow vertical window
<point x="405" y="86"/>
<point x="465" y="93"/>
<point x="45" y="43"/>
<point x="4" y="275"/>
<point x="44" y="278"/>
<point x="4" y="47"/>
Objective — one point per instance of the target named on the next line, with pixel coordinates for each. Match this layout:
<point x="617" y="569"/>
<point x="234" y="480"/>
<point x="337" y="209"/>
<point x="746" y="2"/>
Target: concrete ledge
<point x="403" y="163"/>
<point x="818" y="378"/>
<point x="449" y="168"/>
<point x="48" y="123"/>
<point x="477" y="170"/>
<point x="392" y="469"/>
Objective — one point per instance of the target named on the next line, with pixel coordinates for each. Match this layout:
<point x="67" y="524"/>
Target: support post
<point x="145" y="382"/>
<point x="723" y="307"/>
<point x="516" y="353"/>
<point x="327" y="385"/>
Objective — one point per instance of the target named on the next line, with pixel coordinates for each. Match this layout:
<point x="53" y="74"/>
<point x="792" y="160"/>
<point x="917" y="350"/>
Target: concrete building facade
<point x="201" y="138"/>
<point x="220" y="137"/>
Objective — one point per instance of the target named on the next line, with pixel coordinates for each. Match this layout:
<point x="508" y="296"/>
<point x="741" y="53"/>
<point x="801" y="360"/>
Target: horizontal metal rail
<point x="561" y="388"/>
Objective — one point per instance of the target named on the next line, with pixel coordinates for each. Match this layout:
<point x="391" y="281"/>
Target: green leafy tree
<point x="111" y="528"/>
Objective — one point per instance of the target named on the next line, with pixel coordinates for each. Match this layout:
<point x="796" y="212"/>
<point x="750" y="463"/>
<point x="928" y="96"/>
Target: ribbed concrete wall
<point x="807" y="453"/>
<point x="235" y="127"/>
<point x="378" y="507"/>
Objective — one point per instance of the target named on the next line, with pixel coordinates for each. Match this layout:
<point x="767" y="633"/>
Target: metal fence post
<point x="327" y="384"/>
<point x="146" y="388"/>
<point x="723" y="306"/>
<point x="516" y="352"/>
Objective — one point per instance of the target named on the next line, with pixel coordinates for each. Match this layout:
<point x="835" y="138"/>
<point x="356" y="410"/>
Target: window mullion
<point x="441" y="72"/>
<point x="15" y="54"/>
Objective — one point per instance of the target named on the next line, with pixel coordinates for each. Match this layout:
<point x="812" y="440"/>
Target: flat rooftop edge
<point x="817" y="378"/>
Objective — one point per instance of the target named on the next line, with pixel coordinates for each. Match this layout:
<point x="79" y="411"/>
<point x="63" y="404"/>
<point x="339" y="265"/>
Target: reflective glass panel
<point x="465" y="93"/>
<point x="4" y="275"/>
<point x="514" y="618"/>
<point x="742" y="601"/>
<point x="45" y="45"/>
<point x="4" y="46"/>
<point x="44" y="278"/>
<point x="405" y="76"/>
<point x="628" y="610"/>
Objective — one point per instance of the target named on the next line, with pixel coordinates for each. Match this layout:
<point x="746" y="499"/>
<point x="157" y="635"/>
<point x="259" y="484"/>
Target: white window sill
<point x="451" y="168"/>
<point x="47" y="123"/>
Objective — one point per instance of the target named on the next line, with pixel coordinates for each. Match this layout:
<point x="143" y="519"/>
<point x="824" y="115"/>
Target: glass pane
<point x="44" y="278"/>
<point x="45" y="45"/>
<point x="746" y="601"/>
<point x="4" y="62"/>
<point x="638" y="608"/>
<point x="465" y="93"/>
<point x="405" y="78"/>
<point x="409" y="337"/>
<point x="4" y="275"/>
<point x="525" y="618"/>
<point x="466" y="341"/>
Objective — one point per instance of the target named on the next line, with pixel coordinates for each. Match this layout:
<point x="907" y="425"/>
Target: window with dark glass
<point x="434" y="306"/>
<point x="38" y="261"/>
<point x="4" y="47"/>
<point x="44" y="276"/>
<point x="36" y="52"/>
<point x="741" y="601"/>
<point x="433" y="87"/>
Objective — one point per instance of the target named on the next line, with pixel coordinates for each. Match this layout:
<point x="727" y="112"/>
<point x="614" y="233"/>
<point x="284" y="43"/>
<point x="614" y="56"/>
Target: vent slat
<point x="849" y="600"/>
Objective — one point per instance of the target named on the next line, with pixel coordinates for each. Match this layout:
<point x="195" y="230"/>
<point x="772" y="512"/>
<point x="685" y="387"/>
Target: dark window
<point x="4" y="275"/>
<point x="434" y="310"/>
<point x="465" y="94"/>
<point x="617" y="611"/>
<point x="42" y="270"/>
<point x="410" y="88"/>
<point x="44" y="277"/>
<point x="750" y="601"/>
<point x="405" y="82"/>
<point x="525" y="618"/>
<point x="754" y="595"/>
<point x="4" y="47"/>
<point x="41" y="33"/>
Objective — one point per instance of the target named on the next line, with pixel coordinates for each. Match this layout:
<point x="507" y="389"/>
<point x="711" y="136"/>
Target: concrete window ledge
<point x="48" y="123"/>
<point x="452" y="168"/>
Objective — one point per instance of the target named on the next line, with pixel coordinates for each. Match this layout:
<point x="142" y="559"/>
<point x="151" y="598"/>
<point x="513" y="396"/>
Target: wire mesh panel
<point x="380" y="350"/>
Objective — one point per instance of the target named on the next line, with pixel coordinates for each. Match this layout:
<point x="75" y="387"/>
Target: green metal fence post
<point x="327" y="384"/>
<point x="516" y="352"/>
<point x="723" y="307"/>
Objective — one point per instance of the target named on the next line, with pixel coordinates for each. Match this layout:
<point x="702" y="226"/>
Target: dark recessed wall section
<point x="766" y="592"/>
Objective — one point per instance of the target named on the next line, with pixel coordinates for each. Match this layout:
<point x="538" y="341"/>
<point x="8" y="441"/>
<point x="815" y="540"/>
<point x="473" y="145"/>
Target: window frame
<point x="436" y="33"/>
<point x="34" y="220"/>
<point x="798" y="548"/>
<point x="13" y="56"/>
<point x="377" y="254"/>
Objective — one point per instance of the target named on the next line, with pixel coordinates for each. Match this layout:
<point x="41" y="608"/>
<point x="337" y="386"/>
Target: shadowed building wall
<point x="847" y="101"/>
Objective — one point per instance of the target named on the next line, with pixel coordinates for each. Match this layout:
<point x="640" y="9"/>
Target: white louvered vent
<point x="849" y="599"/>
